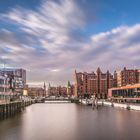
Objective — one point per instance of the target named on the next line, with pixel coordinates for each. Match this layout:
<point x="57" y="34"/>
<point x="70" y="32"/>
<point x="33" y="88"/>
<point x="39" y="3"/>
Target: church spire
<point x="49" y="85"/>
<point x="44" y="85"/>
<point x="68" y="84"/>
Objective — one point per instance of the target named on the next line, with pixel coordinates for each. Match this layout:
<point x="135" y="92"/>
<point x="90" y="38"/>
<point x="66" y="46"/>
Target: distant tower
<point x="49" y="89"/>
<point x="76" y="84"/>
<point x="68" y="88"/>
<point x="109" y="82"/>
<point x="99" y="80"/>
<point x="44" y="89"/>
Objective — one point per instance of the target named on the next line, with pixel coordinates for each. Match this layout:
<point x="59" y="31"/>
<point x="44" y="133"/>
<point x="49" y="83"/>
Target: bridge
<point x="56" y="100"/>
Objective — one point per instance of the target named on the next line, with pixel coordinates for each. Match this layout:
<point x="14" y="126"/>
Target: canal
<point x="71" y="122"/>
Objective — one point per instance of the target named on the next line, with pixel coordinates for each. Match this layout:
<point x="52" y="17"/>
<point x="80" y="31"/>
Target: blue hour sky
<point x="52" y="38"/>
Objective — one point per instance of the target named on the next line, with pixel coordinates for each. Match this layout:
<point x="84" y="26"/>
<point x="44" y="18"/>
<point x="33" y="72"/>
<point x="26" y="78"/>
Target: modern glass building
<point x="128" y="92"/>
<point x="4" y="86"/>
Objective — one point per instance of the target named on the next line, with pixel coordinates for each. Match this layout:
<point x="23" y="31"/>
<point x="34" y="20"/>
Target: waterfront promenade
<point x="102" y="102"/>
<point x="128" y="106"/>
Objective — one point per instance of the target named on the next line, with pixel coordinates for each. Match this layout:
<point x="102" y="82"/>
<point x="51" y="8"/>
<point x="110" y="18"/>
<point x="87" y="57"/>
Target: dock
<point x="96" y="103"/>
<point x="9" y="109"/>
<point x="121" y="105"/>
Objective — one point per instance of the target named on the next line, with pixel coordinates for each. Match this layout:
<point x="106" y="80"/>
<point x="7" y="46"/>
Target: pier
<point x="128" y="106"/>
<point x="9" y="109"/>
<point x="95" y="103"/>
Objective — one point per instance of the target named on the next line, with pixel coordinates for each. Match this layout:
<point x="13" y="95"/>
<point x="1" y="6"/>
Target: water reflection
<point x="71" y="122"/>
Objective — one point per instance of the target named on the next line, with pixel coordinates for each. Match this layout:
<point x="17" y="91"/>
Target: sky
<point x="52" y="38"/>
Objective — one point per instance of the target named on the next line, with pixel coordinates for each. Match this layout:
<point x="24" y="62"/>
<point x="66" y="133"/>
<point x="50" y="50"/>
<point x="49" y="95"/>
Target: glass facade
<point x="131" y="92"/>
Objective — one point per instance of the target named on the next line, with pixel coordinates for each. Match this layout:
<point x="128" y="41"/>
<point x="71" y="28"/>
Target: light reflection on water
<point x="71" y="122"/>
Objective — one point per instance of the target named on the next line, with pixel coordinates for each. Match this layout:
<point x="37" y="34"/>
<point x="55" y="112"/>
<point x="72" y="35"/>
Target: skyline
<point x="52" y="38"/>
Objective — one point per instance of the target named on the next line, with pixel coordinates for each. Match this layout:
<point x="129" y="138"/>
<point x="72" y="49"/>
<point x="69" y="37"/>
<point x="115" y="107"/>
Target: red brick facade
<point x="61" y="90"/>
<point x="93" y="83"/>
<point x="126" y="77"/>
<point x="57" y="91"/>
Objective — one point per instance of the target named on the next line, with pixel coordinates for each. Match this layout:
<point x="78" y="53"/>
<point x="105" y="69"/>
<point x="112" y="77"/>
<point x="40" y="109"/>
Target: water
<point x="71" y="122"/>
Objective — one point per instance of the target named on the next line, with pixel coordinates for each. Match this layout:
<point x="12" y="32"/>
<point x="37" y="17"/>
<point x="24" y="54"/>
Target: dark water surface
<point x="71" y="122"/>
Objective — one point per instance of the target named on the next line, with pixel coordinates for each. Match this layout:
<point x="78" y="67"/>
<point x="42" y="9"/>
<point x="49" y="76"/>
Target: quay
<point x="129" y="106"/>
<point x="9" y="109"/>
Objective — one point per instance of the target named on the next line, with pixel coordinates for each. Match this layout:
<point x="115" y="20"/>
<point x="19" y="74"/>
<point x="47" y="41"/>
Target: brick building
<point x="61" y="90"/>
<point x="126" y="77"/>
<point x="36" y="92"/>
<point x="57" y="91"/>
<point x="93" y="83"/>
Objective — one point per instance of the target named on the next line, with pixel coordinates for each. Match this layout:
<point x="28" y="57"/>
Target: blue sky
<point x="105" y="14"/>
<point x="52" y="38"/>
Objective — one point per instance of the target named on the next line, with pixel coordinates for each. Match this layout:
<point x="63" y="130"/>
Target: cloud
<point x="52" y="23"/>
<point x="50" y="44"/>
<point x="116" y="48"/>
